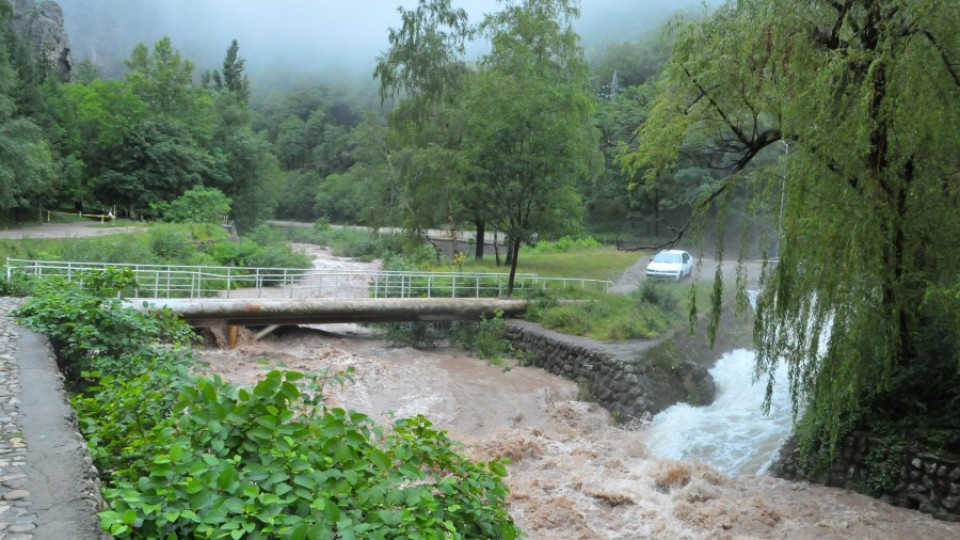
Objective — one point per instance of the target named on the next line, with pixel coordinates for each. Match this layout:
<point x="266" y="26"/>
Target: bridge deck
<point x="237" y="312"/>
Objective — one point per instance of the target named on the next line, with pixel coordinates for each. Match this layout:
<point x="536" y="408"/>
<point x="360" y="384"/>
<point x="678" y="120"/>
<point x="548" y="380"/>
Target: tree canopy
<point x="529" y="133"/>
<point x="28" y="172"/>
<point x="860" y="92"/>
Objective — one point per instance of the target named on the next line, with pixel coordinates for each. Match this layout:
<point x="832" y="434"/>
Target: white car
<point x="670" y="263"/>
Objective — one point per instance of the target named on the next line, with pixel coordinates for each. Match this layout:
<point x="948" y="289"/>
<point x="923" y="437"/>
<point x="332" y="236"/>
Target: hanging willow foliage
<point x="861" y="100"/>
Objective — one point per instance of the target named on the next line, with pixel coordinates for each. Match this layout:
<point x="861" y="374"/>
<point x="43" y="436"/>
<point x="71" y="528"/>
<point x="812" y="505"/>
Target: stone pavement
<point x="49" y="489"/>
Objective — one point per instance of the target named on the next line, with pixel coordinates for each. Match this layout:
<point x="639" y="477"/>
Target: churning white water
<point x="732" y="434"/>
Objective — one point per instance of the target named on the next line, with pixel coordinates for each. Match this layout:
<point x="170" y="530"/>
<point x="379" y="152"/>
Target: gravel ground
<point x="79" y="229"/>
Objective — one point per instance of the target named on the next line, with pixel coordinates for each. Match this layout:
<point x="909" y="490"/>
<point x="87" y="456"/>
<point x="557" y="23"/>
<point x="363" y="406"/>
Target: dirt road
<point x="77" y="229"/>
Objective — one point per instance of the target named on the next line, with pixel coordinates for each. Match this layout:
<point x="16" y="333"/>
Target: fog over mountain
<point x="299" y="36"/>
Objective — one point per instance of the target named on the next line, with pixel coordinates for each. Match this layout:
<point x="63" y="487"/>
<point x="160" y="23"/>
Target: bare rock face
<point x="41" y="25"/>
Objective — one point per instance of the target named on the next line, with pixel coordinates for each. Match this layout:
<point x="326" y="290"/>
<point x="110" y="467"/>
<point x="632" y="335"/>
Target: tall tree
<point x="529" y="135"/>
<point x="162" y="78"/>
<point x="94" y="119"/>
<point x="368" y="192"/>
<point x="426" y="68"/>
<point x="231" y="77"/>
<point x="245" y="168"/>
<point x="859" y="91"/>
<point x="157" y="161"/>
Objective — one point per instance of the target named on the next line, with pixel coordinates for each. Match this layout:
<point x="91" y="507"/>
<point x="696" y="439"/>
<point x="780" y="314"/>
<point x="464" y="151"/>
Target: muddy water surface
<point x="573" y="475"/>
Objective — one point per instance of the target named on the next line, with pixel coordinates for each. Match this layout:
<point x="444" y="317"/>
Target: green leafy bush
<point x="564" y="244"/>
<point x="171" y="243"/>
<point x="197" y="205"/>
<point x="486" y="338"/>
<point x="184" y="456"/>
<point x="274" y="462"/>
<point x="90" y="328"/>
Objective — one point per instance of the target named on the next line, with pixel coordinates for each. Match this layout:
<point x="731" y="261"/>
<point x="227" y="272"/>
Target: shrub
<point x="186" y="456"/>
<point x="91" y="329"/>
<point x="486" y="338"/>
<point x="274" y="462"/>
<point x="568" y="319"/>
<point x="170" y="243"/>
<point x="658" y="294"/>
<point x="197" y="205"/>
<point x="564" y="244"/>
<point x="419" y="335"/>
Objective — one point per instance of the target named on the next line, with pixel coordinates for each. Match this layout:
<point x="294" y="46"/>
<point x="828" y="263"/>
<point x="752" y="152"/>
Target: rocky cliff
<point x="41" y="25"/>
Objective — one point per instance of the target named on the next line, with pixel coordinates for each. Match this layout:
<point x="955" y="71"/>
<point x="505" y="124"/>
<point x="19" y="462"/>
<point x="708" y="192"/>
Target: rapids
<point x="731" y="434"/>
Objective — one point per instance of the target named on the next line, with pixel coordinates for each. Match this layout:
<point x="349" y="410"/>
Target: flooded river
<point x="689" y="474"/>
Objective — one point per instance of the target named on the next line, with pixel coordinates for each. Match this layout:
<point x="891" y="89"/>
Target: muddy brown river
<point x="573" y="474"/>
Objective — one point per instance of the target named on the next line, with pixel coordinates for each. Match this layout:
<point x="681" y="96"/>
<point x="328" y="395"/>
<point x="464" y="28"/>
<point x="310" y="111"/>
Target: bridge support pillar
<point x="265" y="332"/>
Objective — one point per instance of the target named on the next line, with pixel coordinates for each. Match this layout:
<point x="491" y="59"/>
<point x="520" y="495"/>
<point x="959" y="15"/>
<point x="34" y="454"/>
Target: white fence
<point x="170" y="281"/>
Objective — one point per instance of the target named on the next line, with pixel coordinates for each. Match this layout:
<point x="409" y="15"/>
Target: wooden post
<point x="233" y="336"/>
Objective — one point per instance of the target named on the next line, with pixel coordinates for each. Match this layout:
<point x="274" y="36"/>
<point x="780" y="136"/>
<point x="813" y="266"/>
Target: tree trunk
<point x="514" y="254"/>
<point x="656" y="214"/>
<point x="481" y="234"/>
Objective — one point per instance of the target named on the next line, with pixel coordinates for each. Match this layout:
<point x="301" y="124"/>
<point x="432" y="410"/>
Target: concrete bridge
<point x="272" y="314"/>
<point x="207" y="296"/>
<point x="238" y="312"/>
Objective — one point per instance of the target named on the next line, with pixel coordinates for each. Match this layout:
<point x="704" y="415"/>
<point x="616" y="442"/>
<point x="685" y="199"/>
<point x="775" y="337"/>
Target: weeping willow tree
<point x="860" y="101"/>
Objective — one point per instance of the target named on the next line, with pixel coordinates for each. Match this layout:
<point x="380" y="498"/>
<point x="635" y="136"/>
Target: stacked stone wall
<point x="633" y="380"/>
<point x="909" y="476"/>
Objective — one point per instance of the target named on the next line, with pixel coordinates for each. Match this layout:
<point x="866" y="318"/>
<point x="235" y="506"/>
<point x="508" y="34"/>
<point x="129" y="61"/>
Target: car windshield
<point x="667" y="258"/>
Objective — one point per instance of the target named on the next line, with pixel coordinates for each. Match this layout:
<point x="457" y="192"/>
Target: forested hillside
<point x="304" y="146"/>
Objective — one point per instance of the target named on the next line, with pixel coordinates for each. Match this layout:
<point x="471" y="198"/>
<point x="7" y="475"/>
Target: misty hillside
<point x="298" y="36"/>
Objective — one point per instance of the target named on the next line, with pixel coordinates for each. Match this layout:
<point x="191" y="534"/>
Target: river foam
<point x="732" y="434"/>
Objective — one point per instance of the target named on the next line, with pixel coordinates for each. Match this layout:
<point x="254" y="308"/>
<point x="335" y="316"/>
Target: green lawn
<point x="603" y="263"/>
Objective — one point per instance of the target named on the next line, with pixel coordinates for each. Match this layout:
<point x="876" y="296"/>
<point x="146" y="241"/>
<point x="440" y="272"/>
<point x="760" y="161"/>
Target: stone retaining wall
<point x="637" y="379"/>
<point x="907" y="476"/>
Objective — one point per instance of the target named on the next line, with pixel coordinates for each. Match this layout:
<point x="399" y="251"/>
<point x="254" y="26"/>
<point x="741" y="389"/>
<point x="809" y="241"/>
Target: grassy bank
<point x="163" y="243"/>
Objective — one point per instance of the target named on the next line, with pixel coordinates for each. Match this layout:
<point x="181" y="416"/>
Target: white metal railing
<point x="173" y="281"/>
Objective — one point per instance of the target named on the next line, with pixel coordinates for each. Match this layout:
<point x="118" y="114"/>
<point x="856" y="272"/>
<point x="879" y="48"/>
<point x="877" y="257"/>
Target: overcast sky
<point x="303" y="35"/>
